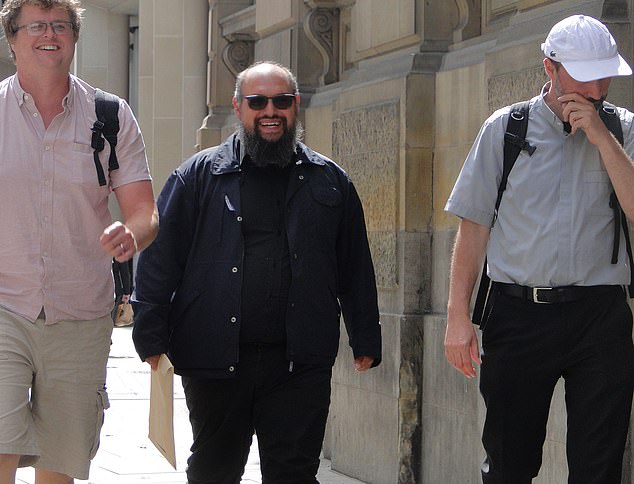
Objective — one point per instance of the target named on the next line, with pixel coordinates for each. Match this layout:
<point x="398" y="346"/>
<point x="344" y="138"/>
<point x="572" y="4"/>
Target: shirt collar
<point x="17" y="90"/>
<point x="548" y="113"/>
<point x="22" y="96"/>
<point x="69" y="99"/>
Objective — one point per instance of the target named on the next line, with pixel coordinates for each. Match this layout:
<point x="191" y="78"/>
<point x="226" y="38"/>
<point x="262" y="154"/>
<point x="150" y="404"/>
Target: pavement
<point x="126" y="456"/>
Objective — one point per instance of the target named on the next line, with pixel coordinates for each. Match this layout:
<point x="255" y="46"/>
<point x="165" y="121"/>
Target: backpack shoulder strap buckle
<point x="105" y="127"/>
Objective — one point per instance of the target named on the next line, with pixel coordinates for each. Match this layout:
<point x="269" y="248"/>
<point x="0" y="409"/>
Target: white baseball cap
<point x="586" y="49"/>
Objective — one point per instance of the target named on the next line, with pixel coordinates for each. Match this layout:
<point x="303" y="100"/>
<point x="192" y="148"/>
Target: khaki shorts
<point x="52" y="391"/>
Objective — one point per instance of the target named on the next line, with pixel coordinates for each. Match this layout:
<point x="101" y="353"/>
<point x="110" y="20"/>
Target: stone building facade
<point x="395" y="91"/>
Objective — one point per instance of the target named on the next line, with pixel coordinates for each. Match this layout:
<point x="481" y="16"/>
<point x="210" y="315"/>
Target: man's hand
<point x="118" y="241"/>
<point x="153" y="361"/>
<point x="363" y="363"/>
<point x="461" y="346"/>
<point x="461" y="341"/>
<point x="582" y="114"/>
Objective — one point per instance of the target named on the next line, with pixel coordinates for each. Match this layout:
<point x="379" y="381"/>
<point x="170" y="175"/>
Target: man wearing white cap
<point x="557" y="305"/>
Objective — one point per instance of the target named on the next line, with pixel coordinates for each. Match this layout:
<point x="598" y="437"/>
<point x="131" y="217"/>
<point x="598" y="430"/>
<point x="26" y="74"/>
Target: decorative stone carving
<point x="463" y="14"/>
<point x="468" y="20"/>
<point x="470" y="12"/>
<point x="508" y="88"/>
<point x="321" y="26"/>
<point x="365" y="143"/>
<point x="614" y="10"/>
<point x="238" y="55"/>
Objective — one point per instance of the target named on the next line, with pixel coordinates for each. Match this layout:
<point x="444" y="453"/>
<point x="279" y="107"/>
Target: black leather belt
<point x="551" y="295"/>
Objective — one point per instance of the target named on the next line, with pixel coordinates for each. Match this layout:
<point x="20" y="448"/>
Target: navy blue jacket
<point x="188" y="285"/>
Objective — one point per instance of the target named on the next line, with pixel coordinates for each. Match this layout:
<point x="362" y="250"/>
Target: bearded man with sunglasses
<point x="262" y="245"/>
<point x="56" y="246"/>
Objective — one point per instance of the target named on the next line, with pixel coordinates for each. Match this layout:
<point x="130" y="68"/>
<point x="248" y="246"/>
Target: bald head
<point x="265" y="70"/>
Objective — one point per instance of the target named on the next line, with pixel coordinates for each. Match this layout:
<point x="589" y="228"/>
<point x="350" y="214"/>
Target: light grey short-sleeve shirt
<point x="555" y="226"/>
<point x="52" y="207"/>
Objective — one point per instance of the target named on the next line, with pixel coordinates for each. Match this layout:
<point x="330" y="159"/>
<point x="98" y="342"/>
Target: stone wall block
<point x="415" y="260"/>
<point x="365" y="143"/>
<point x="364" y="412"/>
<point x="410" y="398"/>
<point x="450" y="412"/>
<point x="364" y="433"/>
<point x="516" y="86"/>
<point x="442" y="248"/>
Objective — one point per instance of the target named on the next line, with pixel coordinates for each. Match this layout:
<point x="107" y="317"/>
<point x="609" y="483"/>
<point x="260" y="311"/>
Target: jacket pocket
<point x="328" y="195"/>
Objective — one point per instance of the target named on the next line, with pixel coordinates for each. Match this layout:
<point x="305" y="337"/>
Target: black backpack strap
<point x="610" y="118"/>
<point x="106" y="126"/>
<point x="514" y="143"/>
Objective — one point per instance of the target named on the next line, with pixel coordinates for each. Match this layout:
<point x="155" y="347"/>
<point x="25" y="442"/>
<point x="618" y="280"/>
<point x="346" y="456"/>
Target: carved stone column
<point x="321" y="26"/>
<point x="238" y="54"/>
<point x="230" y="46"/>
<point x="468" y="20"/>
<point x="324" y="29"/>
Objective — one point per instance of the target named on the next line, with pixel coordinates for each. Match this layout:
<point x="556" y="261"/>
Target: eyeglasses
<point x="258" y="102"/>
<point x="35" y="29"/>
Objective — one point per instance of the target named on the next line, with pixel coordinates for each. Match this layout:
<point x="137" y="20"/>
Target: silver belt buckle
<point x="535" y="294"/>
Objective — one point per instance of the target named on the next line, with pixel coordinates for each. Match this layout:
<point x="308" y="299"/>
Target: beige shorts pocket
<point x="102" y="405"/>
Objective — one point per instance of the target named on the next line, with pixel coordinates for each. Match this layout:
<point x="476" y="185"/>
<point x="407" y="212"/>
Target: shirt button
<point x="239" y="218"/>
<point x="295" y="256"/>
<point x="45" y="254"/>
<point x="47" y="148"/>
<point x="234" y="269"/>
<point x="45" y="219"/>
<point x="232" y="368"/>
<point x="47" y="183"/>
<point x="301" y="177"/>
<point x="233" y="319"/>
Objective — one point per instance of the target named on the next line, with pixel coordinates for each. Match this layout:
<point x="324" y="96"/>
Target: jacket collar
<point x="229" y="156"/>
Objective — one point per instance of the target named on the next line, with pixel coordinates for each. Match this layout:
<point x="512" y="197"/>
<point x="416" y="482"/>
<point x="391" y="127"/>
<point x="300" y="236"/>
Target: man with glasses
<point x="262" y="246"/>
<point x="56" y="246"/>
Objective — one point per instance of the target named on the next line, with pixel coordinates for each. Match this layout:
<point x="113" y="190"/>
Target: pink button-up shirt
<point x="52" y="209"/>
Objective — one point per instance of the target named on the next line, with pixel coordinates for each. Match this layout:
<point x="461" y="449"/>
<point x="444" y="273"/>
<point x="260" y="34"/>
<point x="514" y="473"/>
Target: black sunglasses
<point x="258" y="102"/>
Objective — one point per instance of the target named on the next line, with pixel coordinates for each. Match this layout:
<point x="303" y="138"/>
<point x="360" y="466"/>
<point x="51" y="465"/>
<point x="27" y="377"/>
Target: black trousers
<point x="287" y="409"/>
<point x="527" y="348"/>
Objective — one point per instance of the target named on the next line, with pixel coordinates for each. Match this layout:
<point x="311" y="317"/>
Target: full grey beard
<point x="271" y="153"/>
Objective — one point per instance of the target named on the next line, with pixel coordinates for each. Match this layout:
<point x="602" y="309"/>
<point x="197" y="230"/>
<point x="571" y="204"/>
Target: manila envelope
<point x="162" y="409"/>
